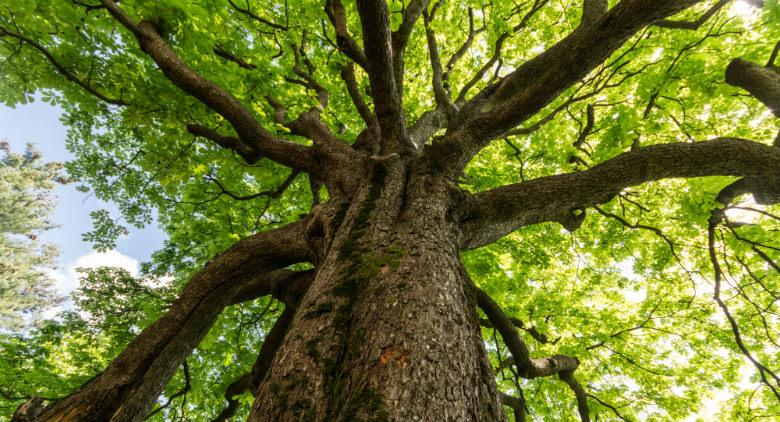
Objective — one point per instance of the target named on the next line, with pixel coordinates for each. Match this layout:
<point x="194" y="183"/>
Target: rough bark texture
<point x="388" y="330"/>
<point x="126" y="390"/>
<point x="761" y="82"/>
<point x="385" y="326"/>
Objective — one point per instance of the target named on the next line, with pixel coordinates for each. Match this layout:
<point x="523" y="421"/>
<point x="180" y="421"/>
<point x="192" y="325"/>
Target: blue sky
<point x="39" y="123"/>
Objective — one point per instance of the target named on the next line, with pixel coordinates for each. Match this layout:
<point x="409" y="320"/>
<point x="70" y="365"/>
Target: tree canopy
<point x="25" y="204"/>
<point x="203" y="117"/>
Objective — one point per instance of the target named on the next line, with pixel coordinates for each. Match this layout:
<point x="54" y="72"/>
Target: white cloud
<point x="67" y="280"/>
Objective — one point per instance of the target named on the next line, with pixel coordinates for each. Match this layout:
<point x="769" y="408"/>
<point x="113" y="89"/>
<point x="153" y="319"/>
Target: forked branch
<point x="250" y="133"/>
<point x="521" y="94"/>
<point x="251" y="267"/>
<point x="375" y="21"/>
<point x="563" y="198"/>
<point x="527" y="367"/>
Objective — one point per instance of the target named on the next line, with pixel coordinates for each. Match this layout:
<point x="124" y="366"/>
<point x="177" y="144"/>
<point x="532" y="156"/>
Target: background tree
<point x="470" y="210"/>
<point x="26" y="201"/>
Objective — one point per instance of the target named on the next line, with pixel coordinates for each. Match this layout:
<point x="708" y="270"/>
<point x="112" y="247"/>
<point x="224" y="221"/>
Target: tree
<point x="25" y="204"/>
<point x="462" y="208"/>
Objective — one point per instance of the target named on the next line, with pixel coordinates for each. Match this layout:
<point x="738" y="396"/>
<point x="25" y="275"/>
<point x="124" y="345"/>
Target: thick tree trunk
<point x="388" y="329"/>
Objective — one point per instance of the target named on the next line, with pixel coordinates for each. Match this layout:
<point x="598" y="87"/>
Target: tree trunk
<point x="388" y="329"/>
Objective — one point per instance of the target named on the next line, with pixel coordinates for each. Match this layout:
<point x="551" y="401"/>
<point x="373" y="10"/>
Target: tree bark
<point x="388" y="329"/>
<point x="127" y="389"/>
<point x="761" y="82"/>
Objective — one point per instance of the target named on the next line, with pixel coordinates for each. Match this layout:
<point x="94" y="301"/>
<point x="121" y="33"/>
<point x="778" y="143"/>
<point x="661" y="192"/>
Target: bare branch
<point x="412" y="13"/>
<point x="439" y="92"/>
<point x="246" y="11"/>
<point x="184" y="389"/>
<point x="269" y="193"/>
<point x="348" y="75"/>
<point x="400" y="38"/>
<point x="563" y="198"/>
<point x="528" y="368"/>
<point x="220" y="51"/>
<point x="531" y="330"/>
<point x="763" y="371"/>
<point x="228" y="142"/>
<point x="495" y="59"/>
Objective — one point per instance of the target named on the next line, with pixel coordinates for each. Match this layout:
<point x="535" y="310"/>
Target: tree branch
<point x="246" y="11"/>
<point x="537" y="82"/>
<point x="400" y="38"/>
<point x="375" y="21"/>
<point x="344" y="41"/>
<point x="592" y="11"/>
<point x="693" y="25"/>
<point x="187" y="386"/>
<point x="293" y="285"/>
<point x="517" y="404"/>
<point x="726" y="196"/>
<point x="220" y="51"/>
<point x="60" y="67"/>
<point x="761" y="82"/>
<point x="348" y="75"/>
<point x="527" y="367"/>
<point x="249" y="130"/>
<point x="440" y="94"/>
<point x="130" y="385"/>
<point x="249" y="155"/>
<point x="562" y="198"/>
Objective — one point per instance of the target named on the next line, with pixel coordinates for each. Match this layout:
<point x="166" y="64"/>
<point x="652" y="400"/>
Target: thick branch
<point x="129" y="386"/>
<point x="412" y="13"/>
<point x="761" y="82"/>
<point x="293" y="285"/>
<point x="400" y="38"/>
<point x="592" y="11"/>
<point x="346" y="44"/>
<point x="498" y="212"/>
<point x="427" y="125"/>
<point x="249" y="130"/>
<point x="375" y="21"/>
<point x="532" y="331"/>
<point x="528" y="368"/>
<point x="537" y="82"/>
<point x="517" y="405"/>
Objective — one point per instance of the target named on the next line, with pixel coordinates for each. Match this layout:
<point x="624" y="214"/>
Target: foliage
<point x="26" y="200"/>
<point x="629" y="293"/>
